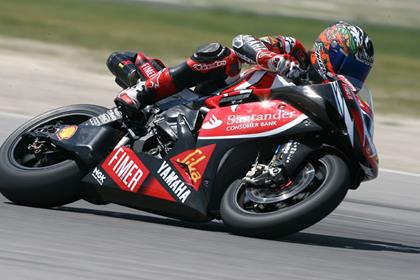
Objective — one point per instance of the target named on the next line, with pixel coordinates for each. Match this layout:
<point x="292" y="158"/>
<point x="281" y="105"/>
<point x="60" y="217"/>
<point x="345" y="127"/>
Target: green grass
<point x="103" y="26"/>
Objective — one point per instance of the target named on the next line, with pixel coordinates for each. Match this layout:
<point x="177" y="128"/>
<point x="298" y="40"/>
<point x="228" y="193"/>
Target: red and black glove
<point x="282" y="64"/>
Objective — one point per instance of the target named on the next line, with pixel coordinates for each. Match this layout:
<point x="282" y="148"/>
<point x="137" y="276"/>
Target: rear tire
<point x="48" y="186"/>
<point x="291" y="219"/>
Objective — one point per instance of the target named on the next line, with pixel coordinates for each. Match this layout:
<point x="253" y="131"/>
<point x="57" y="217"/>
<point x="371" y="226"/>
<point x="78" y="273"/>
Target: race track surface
<point x="374" y="234"/>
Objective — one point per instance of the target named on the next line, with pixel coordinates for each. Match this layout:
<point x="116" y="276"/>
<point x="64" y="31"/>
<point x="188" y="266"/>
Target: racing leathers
<point x="211" y="67"/>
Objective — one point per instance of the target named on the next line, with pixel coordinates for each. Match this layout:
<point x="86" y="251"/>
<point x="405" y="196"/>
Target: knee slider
<point x="210" y="52"/>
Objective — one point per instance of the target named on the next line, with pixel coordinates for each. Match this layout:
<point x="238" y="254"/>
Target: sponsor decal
<point x="172" y="180"/>
<point x="238" y="122"/>
<point x="252" y="120"/>
<point x="107" y="117"/>
<point x="280" y="114"/>
<point x="209" y="66"/>
<point x="98" y="176"/>
<point x="213" y="122"/>
<point x="126" y="169"/>
<point x="189" y="163"/>
<point x="193" y="164"/>
<point x="155" y="83"/>
<point x="264" y="54"/>
<point x="148" y="70"/>
<point x="67" y="132"/>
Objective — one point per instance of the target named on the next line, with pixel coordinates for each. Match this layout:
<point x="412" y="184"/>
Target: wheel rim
<point x="21" y="156"/>
<point x="264" y="200"/>
<point x="301" y="182"/>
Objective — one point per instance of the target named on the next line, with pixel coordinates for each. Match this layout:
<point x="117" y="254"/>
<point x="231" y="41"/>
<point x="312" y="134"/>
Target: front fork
<point x="285" y="165"/>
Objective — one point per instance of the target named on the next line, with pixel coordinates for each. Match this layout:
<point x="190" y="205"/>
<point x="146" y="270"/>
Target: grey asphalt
<point x="374" y="234"/>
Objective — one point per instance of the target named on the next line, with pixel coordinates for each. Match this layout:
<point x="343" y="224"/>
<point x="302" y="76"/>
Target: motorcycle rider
<point x="341" y="52"/>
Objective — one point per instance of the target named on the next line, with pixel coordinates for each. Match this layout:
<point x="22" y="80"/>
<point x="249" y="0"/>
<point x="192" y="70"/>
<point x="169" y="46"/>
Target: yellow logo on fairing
<point x="189" y="163"/>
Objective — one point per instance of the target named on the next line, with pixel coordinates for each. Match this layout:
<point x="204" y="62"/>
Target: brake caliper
<point x="264" y="175"/>
<point x="283" y="167"/>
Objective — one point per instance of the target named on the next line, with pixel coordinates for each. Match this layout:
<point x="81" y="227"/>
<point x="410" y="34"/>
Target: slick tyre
<point x="47" y="185"/>
<point x="317" y="204"/>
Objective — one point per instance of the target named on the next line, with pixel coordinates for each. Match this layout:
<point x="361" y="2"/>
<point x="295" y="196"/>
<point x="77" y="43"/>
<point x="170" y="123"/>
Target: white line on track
<point x="15" y="115"/>
<point x="399" y="172"/>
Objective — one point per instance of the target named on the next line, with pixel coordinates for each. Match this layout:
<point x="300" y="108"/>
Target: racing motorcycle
<point x="267" y="161"/>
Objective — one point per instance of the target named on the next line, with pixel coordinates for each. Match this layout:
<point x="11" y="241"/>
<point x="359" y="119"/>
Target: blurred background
<point x="53" y="52"/>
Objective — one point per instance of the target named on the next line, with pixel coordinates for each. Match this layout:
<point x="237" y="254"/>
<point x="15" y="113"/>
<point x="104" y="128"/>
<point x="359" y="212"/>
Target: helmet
<point x="343" y="49"/>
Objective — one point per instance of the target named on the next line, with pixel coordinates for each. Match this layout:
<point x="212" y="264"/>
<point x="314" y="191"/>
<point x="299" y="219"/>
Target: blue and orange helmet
<point x="343" y="49"/>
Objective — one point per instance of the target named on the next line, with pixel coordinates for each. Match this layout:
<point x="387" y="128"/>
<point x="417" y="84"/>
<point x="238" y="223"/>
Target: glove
<point x="282" y="64"/>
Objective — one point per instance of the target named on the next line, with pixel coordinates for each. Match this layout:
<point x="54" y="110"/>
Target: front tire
<point x="47" y="186"/>
<point x="283" y="221"/>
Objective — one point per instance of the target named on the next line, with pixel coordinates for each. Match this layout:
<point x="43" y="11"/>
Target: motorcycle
<point x="267" y="161"/>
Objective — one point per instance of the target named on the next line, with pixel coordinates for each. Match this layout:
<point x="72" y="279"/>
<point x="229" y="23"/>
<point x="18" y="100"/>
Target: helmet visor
<point x="349" y="66"/>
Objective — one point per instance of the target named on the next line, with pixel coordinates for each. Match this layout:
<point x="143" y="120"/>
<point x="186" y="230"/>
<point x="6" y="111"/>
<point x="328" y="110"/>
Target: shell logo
<point x="67" y="132"/>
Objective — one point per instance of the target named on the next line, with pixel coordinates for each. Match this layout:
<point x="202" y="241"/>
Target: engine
<point x="167" y="125"/>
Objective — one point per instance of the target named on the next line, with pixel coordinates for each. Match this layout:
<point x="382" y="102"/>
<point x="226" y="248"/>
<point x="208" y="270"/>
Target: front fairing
<point x="333" y="107"/>
<point x="356" y="110"/>
<point x="365" y="102"/>
<point x="338" y="109"/>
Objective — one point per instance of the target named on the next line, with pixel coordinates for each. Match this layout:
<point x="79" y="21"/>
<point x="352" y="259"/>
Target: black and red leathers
<point x="210" y="68"/>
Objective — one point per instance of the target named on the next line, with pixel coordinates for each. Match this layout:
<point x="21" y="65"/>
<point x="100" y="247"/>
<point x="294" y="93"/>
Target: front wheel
<point x="266" y="212"/>
<point x="47" y="179"/>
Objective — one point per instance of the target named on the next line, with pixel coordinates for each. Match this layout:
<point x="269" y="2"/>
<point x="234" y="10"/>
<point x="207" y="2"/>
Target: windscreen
<point x="366" y="95"/>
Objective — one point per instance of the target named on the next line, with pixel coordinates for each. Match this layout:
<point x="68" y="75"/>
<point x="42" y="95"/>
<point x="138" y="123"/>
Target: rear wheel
<point x="48" y="178"/>
<point x="316" y="191"/>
